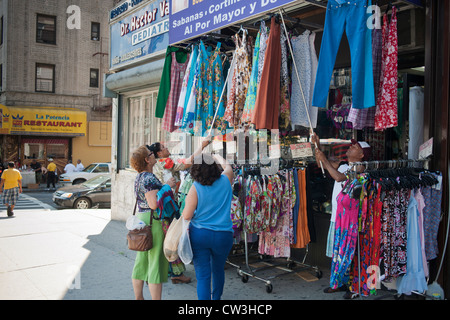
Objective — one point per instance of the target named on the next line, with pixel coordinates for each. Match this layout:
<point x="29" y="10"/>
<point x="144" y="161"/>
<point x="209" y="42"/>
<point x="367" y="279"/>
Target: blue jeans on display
<point x="351" y="16"/>
<point x="210" y="249"/>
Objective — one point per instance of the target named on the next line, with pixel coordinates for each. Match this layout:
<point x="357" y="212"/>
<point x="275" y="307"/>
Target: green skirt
<point x="152" y="266"/>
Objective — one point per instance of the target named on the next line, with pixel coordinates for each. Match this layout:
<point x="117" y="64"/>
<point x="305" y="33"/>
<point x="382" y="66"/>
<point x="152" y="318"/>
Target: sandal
<point x="350" y="295"/>
<point x="181" y="279"/>
<point x="340" y="289"/>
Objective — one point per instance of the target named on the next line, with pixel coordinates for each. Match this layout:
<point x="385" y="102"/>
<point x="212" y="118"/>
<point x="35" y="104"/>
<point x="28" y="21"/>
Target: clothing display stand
<point x="391" y="164"/>
<point x="288" y="266"/>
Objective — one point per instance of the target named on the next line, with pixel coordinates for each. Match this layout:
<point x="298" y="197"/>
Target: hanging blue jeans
<point x="210" y="249"/>
<point x="351" y="16"/>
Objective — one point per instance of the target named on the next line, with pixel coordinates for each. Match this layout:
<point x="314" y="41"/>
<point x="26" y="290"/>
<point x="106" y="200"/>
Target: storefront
<point x="40" y="133"/>
<point x="138" y="71"/>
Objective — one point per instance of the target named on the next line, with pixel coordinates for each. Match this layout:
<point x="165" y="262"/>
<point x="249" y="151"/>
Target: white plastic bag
<point x="134" y="222"/>
<point x="172" y="238"/>
<point x="184" y="246"/>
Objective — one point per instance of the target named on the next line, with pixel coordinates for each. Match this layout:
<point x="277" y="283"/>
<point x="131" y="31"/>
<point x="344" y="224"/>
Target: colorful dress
<point x="345" y="239"/>
<point x="209" y="89"/>
<point x="241" y="78"/>
<point x="253" y="84"/>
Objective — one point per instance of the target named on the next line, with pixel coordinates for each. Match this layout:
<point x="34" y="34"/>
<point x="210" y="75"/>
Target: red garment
<point x="386" y="109"/>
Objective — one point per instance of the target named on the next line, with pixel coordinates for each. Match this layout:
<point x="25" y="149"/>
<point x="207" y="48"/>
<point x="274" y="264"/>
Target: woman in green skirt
<point x="150" y="266"/>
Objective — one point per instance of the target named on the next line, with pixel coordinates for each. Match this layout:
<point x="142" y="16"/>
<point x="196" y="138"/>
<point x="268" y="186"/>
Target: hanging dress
<point x="186" y="88"/>
<point x="285" y="106"/>
<point x="314" y="111"/>
<point x="177" y="73"/>
<point x="253" y="84"/>
<point x="386" y="110"/>
<point x="241" y="78"/>
<point x="303" y="236"/>
<point x="191" y="101"/>
<point x="414" y="279"/>
<point x="267" y="104"/>
<point x="209" y="88"/>
<point x="300" y="95"/>
<point x="264" y="36"/>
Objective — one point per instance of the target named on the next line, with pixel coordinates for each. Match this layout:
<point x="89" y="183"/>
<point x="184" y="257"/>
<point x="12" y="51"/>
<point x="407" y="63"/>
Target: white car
<point x="91" y="171"/>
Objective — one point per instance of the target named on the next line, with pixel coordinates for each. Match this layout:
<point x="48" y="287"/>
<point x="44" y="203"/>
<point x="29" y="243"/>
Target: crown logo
<point x="6" y="115"/>
<point x="17" y="117"/>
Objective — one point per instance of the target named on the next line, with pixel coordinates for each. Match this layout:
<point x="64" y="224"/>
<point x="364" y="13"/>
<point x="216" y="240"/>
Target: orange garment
<point x="267" y="105"/>
<point x="303" y="236"/>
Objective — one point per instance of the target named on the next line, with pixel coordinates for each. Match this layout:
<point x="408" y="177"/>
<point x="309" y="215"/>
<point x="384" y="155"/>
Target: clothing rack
<point x="391" y="164"/>
<point x="247" y="270"/>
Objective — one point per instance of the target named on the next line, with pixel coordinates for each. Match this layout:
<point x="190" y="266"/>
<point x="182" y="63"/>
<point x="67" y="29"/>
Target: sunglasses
<point x="149" y="149"/>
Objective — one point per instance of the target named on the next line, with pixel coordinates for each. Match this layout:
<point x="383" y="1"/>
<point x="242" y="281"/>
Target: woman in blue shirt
<point x="208" y="206"/>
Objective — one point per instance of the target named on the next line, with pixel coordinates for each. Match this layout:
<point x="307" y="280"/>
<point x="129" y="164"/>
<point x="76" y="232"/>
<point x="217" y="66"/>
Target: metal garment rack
<point x="290" y="264"/>
<point x="390" y="163"/>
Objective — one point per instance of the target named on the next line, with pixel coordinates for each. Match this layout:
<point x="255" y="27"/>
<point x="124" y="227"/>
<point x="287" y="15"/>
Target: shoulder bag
<point x="141" y="239"/>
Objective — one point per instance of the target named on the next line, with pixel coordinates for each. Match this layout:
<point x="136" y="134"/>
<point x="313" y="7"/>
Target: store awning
<point x="53" y="121"/>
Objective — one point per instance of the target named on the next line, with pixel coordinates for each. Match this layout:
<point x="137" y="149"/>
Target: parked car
<point x="91" y="171"/>
<point x="93" y="192"/>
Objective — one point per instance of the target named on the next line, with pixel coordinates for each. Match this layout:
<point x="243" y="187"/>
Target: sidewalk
<point x="83" y="255"/>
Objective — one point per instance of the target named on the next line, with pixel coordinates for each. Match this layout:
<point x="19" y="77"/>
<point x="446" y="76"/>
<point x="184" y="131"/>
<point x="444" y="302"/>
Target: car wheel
<point x="78" y="181"/>
<point x="82" y="203"/>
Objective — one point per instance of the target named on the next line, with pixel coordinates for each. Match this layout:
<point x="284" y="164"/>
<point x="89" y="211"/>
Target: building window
<point x="46" y="29"/>
<point x="95" y="31"/>
<point x="45" y="78"/>
<point x="93" y="78"/>
<point x="139" y="126"/>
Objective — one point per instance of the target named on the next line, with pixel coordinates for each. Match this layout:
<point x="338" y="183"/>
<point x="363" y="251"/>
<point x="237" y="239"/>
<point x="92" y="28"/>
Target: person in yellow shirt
<point x="12" y="181"/>
<point x="51" y="174"/>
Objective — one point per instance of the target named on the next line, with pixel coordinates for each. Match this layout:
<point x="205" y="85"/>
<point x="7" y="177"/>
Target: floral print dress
<point x="253" y="85"/>
<point x="386" y="111"/>
<point x="240" y="82"/>
<point x="209" y="89"/>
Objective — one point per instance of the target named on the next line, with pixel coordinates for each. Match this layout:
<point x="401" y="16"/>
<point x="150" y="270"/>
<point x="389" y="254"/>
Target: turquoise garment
<point x="214" y="206"/>
<point x="250" y="99"/>
<point x="191" y="101"/>
<point x="208" y="91"/>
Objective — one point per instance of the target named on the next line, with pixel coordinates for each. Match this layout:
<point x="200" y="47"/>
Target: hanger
<point x="389" y="7"/>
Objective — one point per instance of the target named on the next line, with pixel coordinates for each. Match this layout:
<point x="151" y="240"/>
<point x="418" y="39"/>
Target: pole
<point x="298" y="78"/>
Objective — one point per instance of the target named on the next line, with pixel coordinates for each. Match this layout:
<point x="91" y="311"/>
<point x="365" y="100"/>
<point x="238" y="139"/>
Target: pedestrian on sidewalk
<point x="37" y="168"/>
<point x="208" y="206"/>
<point x="11" y="180"/>
<point x="164" y="169"/>
<point x="150" y="266"/>
<point x="69" y="168"/>
<point x="51" y="174"/>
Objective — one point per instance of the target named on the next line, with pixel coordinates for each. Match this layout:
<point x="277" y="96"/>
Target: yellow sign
<point x="42" y="120"/>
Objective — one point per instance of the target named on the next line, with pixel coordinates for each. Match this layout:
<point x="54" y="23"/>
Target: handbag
<point x="172" y="239"/>
<point x="141" y="239"/>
